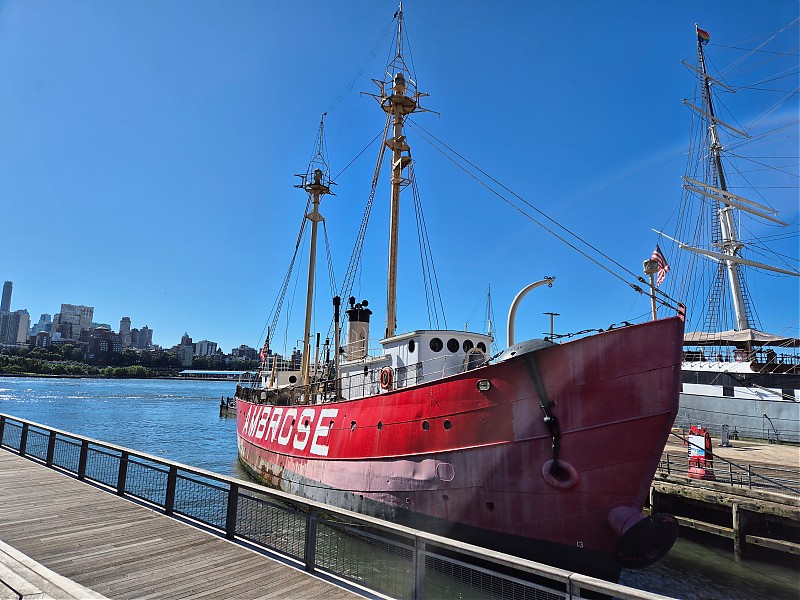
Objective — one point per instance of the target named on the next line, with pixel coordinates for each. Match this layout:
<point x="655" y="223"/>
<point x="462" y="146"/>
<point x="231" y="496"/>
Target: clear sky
<point x="148" y="152"/>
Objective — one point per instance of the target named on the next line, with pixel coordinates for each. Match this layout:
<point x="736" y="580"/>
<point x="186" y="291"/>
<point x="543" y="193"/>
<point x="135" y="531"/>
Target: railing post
<point x="230" y="514"/>
<point x="51" y="448"/>
<point x="122" y="474"/>
<point x="750" y="476"/>
<point x="419" y="569"/>
<point x="83" y="458"/>
<point x="2" y="429"/>
<point x="310" y="552"/>
<point x="23" y="439"/>
<point x="668" y="470"/>
<point x="172" y="480"/>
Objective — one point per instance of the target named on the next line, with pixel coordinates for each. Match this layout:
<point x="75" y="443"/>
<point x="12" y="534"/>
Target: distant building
<point x="101" y="342"/>
<point x="72" y="320"/>
<point x="185" y="355"/>
<point x="205" y="348"/>
<point x="41" y="339"/>
<point x="142" y="338"/>
<point x="185" y="351"/>
<point x="245" y="352"/>
<point x="45" y="324"/>
<point x="5" y="303"/>
<point x="145" y="337"/>
<point x="125" y="331"/>
<point x="14" y="327"/>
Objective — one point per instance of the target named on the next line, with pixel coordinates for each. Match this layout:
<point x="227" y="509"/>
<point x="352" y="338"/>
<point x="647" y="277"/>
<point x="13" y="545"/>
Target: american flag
<point x="663" y="266"/>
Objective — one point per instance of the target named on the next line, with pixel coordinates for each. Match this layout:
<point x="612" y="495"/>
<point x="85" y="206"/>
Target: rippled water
<point x="180" y="420"/>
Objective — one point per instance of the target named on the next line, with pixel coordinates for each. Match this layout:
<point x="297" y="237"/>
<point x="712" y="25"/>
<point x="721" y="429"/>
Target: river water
<point x="179" y="420"/>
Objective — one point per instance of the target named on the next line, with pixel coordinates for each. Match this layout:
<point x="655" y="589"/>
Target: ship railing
<point x="367" y="382"/>
<point x="768" y="357"/>
<point x="750" y="476"/>
<point x="358" y="552"/>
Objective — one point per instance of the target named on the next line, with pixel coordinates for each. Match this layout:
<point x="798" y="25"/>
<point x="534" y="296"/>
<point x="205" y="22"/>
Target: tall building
<point x="145" y="337"/>
<point x="72" y="320"/>
<point x="125" y="331"/>
<point x="14" y="327"/>
<point x="5" y="303"/>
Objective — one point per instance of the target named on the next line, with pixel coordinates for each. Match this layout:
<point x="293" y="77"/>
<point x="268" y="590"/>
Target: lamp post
<point x="651" y="268"/>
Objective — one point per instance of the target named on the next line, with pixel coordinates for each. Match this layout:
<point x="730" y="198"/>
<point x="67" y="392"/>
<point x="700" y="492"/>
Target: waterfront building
<point x="5" y="303"/>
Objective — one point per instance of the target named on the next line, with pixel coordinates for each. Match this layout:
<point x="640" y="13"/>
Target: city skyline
<point x="158" y="144"/>
<point x="84" y="319"/>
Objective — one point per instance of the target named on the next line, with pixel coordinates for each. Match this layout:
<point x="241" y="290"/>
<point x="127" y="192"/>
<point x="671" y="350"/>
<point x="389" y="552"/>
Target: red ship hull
<point x="477" y="465"/>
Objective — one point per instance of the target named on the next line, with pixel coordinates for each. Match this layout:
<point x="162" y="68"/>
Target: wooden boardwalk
<point x="120" y="549"/>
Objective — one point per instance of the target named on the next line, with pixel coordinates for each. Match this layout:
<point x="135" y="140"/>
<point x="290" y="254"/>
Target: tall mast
<point x="398" y="101"/>
<point x="729" y="243"/>
<point x="316" y="183"/>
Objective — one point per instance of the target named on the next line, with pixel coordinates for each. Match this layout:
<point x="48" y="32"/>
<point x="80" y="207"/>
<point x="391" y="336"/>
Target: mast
<point x="316" y="188"/>
<point x="397" y="101"/>
<point x="729" y="243"/>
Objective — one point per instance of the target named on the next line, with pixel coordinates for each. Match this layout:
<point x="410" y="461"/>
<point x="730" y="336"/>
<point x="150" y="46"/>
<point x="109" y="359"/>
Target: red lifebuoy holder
<point x="386" y="378"/>
<point x="701" y="455"/>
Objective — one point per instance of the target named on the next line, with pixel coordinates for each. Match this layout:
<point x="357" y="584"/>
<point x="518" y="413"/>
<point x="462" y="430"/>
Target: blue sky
<point x="148" y="153"/>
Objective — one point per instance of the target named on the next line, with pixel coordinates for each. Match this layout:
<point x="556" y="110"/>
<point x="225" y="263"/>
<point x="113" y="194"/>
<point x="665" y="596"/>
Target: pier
<point x="753" y="499"/>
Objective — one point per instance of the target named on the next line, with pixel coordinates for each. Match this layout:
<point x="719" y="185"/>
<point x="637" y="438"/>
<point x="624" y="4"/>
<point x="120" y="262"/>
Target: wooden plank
<point x="125" y="550"/>
<point x="774" y="544"/>
<point x="720" y="530"/>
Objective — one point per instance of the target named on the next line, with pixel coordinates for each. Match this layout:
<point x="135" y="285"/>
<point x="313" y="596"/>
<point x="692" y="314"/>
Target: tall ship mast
<point x="734" y="374"/>
<point x="543" y="450"/>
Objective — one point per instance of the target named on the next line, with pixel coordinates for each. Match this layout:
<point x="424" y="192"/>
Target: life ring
<point x="386" y="378"/>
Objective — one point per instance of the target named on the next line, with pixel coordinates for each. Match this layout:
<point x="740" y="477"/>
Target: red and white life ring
<point x="386" y="378"/>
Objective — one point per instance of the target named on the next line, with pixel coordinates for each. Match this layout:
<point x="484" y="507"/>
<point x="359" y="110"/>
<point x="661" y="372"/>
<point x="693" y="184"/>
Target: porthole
<point x="380" y="425"/>
<point x="490" y="505"/>
<point x="453" y="345"/>
<point x="412" y="345"/>
<point x="426" y="425"/>
<point x="482" y="347"/>
<point x="436" y="345"/>
<point x="467" y="345"/>
<point x="448" y="424"/>
<point x="292" y="379"/>
<point x="352" y="425"/>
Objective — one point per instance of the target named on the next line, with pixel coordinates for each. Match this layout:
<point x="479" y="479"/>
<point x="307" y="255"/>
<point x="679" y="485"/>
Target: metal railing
<point x="751" y="476"/>
<point x="372" y="554"/>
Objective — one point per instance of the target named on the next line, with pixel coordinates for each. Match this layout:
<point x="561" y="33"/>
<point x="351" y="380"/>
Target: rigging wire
<point x="428" y="137"/>
<point x="433" y="294"/>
